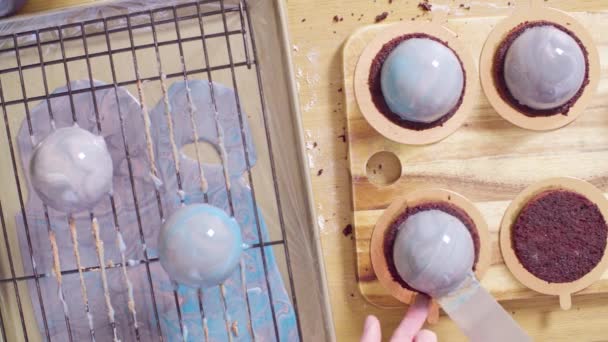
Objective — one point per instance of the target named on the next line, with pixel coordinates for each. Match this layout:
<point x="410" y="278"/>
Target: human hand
<point x="409" y="330"/>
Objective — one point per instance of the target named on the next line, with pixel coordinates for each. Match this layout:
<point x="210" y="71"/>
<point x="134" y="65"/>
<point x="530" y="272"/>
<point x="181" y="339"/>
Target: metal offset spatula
<point x="434" y="253"/>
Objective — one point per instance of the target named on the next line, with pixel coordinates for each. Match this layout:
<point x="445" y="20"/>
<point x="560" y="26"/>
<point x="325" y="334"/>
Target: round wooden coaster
<point x="413" y="199"/>
<point x="535" y="11"/>
<point x="378" y="120"/>
<point x="563" y="290"/>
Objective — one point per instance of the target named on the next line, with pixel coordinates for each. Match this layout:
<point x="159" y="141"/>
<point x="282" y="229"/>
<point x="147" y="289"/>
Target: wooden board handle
<point x="565" y="301"/>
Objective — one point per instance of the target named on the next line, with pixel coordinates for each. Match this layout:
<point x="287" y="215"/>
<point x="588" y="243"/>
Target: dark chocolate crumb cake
<point x="559" y="236"/>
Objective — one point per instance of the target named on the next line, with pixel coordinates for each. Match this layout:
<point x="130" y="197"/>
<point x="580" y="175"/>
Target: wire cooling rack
<point x="13" y="76"/>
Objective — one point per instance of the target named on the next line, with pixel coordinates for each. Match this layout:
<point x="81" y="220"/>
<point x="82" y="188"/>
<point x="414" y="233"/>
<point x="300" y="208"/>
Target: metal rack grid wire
<point x="104" y="27"/>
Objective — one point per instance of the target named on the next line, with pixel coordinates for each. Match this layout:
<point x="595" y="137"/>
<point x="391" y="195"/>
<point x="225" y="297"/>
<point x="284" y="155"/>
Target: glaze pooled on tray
<point x="433" y="252"/>
<point x="544" y="67"/>
<point x="200" y="246"/>
<point x="422" y="80"/>
<point x="71" y="169"/>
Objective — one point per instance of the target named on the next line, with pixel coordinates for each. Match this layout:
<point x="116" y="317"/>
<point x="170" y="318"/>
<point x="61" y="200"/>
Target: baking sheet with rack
<point x="488" y="160"/>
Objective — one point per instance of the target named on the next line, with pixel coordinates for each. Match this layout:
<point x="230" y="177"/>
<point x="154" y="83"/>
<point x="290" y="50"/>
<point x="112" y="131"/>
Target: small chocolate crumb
<point x="320" y="172"/>
<point x="380" y="17"/>
<point x="425" y="6"/>
<point x="303" y="20"/>
<point x="390" y="1"/>
<point x="337" y="19"/>
<point x="379" y="166"/>
<point x="314" y="144"/>
<point x="339" y="90"/>
<point x="352" y="295"/>
<point x="348" y="230"/>
<point x="343" y="137"/>
<point x="469" y="7"/>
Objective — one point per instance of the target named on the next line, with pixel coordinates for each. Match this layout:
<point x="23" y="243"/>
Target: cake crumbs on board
<point x="381" y="17"/>
<point x="425" y="6"/>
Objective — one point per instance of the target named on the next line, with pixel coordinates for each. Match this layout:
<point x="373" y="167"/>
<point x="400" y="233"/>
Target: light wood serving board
<point x="488" y="160"/>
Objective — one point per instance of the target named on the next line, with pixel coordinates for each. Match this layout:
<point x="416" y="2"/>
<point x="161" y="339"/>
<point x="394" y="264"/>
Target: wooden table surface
<point x="317" y="44"/>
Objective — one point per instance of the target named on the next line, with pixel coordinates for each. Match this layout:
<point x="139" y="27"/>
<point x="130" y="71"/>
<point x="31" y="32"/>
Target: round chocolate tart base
<point x="559" y="236"/>
<point x="501" y="85"/>
<point x="375" y="87"/>
<point x="393" y="229"/>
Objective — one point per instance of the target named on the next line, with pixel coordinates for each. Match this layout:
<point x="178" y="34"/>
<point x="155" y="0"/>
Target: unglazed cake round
<point x="200" y="246"/>
<point x="553" y="237"/>
<point x="433" y="252"/>
<point x="559" y="236"/>
<point x="71" y="169"/>
<point x="421" y="80"/>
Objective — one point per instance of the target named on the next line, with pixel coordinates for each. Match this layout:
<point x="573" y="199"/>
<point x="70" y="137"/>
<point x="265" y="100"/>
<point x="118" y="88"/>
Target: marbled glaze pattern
<point x="109" y="107"/>
<point x="71" y="169"/>
<point x="200" y="246"/>
<point x="421" y="80"/>
<point x="433" y="252"/>
<point x="544" y="67"/>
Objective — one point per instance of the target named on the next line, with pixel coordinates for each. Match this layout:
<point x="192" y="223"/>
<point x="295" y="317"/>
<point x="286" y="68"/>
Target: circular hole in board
<point x="383" y="168"/>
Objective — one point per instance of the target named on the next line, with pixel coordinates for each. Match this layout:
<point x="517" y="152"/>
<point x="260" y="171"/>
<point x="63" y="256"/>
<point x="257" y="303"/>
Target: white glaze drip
<point x="185" y="330"/>
<point x="133" y="262"/>
<point x="226" y="315"/>
<point x="91" y="325"/>
<point x="146" y="117"/>
<point x="130" y="298"/>
<point x="62" y="300"/>
<point x="205" y="329"/>
<point x="191" y="110"/>
<point x="157" y="182"/>
<point x="83" y="287"/>
<point x="222" y="148"/>
<point x="104" y="280"/>
<point x="244" y="289"/>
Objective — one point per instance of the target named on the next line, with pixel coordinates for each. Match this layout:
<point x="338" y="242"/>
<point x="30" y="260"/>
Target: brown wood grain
<point x="489" y="160"/>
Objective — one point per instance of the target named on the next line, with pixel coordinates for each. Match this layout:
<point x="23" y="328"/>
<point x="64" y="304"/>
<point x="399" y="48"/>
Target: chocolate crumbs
<point x="381" y="17"/>
<point x="425" y="6"/>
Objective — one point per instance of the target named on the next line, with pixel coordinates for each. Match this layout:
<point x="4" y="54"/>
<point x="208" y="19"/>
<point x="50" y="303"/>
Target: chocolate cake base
<point x="501" y="84"/>
<point x="559" y="236"/>
<point x="393" y="229"/>
<point x="375" y="86"/>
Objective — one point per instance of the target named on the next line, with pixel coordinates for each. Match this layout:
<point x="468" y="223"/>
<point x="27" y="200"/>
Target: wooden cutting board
<point x="487" y="160"/>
